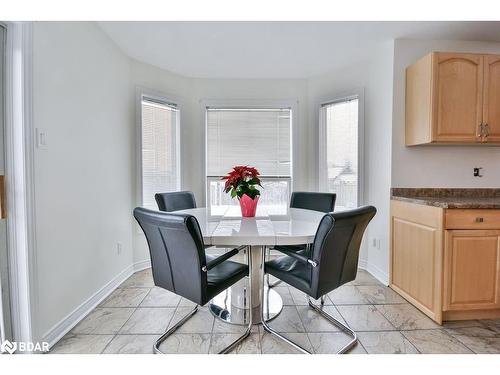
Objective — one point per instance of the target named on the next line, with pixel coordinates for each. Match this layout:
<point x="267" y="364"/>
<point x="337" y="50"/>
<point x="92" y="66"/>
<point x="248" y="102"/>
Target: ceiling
<point x="274" y="49"/>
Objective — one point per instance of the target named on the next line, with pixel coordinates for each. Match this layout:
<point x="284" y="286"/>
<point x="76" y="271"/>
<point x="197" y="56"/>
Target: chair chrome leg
<point x="339" y="324"/>
<point x="247" y="332"/>
<point x="156" y="346"/>
<point x="263" y="320"/>
<point x="277" y="282"/>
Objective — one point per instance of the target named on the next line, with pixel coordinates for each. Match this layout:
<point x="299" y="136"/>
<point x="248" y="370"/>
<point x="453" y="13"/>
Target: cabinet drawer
<point x="472" y="219"/>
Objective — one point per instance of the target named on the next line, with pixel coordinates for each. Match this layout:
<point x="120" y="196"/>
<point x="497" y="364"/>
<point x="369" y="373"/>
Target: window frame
<point x="321" y="139"/>
<point x="291" y="104"/>
<point x="142" y="93"/>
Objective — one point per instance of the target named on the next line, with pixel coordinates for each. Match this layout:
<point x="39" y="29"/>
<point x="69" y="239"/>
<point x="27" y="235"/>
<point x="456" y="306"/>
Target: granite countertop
<point x="449" y="198"/>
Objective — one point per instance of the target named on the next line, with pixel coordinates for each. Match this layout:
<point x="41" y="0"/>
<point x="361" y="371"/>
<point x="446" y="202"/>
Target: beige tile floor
<point x="136" y="313"/>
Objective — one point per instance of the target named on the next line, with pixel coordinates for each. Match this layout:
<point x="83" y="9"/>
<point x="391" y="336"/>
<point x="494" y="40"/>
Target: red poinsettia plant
<point x="242" y="180"/>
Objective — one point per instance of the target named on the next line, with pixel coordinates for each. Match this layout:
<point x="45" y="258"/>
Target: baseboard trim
<point x="53" y="335"/>
<point x="376" y="272"/>
<point x="362" y="264"/>
<point x="142" y="265"/>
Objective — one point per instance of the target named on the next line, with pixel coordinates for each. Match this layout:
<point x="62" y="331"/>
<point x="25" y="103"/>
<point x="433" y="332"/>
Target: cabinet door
<point x="416" y="255"/>
<point x="471" y="265"/>
<point x="457" y="97"/>
<point x="491" y="107"/>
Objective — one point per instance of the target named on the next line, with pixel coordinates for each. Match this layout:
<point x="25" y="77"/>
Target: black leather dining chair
<point x="331" y="263"/>
<point x="323" y="202"/>
<point x="175" y="201"/>
<point x="179" y="264"/>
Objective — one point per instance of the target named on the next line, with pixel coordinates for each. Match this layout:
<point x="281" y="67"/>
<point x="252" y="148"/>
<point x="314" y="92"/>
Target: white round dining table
<point x="225" y="227"/>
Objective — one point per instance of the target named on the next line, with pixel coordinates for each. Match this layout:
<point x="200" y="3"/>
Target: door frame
<point x="4" y="323"/>
<point x="19" y="170"/>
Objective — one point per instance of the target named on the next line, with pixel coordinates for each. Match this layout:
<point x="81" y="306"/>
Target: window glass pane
<point x="342" y="151"/>
<point x="159" y="151"/>
<point x="256" y="137"/>
<point x="259" y="138"/>
<point x="275" y="195"/>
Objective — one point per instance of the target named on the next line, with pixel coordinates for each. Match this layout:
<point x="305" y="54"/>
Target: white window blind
<point x="259" y="138"/>
<point x="339" y="162"/>
<point x="255" y="137"/>
<point x="160" y="162"/>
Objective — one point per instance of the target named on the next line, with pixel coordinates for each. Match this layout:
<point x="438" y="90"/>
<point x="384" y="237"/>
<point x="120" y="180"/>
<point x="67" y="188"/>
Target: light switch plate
<point x="41" y="139"/>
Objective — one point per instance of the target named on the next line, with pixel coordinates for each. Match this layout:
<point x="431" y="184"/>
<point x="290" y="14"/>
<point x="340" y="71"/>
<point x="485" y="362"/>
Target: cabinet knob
<point x="479" y="219"/>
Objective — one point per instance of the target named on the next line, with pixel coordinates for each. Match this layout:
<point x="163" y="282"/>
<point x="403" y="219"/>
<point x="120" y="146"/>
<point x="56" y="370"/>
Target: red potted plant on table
<point x="242" y="182"/>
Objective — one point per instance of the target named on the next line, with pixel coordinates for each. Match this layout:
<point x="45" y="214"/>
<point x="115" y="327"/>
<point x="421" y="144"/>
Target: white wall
<point x="436" y="166"/>
<point x="83" y="180"/>
<point x="374" y="77"/>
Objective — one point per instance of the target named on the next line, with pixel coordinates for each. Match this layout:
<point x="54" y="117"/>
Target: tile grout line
<point x="411" y="343"/>
<point x="305" y="331"/>
<point x="461" y="342"/>
<point x="211" y="335"/>
<point x="123" y="325"/>
<point x="119" y="329"/>
<point x="385" y="317"/>
<point x="324" y="332"/>
<point x="345" y="320"/>
<point x="105" y="347"/>
<point x="443" y="330"/>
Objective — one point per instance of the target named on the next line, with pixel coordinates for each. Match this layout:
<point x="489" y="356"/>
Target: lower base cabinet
<point x="446" y="262"/>
<point x="471" y="269"/>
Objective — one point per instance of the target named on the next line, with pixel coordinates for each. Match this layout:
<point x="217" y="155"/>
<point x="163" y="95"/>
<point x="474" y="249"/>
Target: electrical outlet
<point x="119" y="248"/>
<point x="41" y="139"/>
<point x="376" y="243"/>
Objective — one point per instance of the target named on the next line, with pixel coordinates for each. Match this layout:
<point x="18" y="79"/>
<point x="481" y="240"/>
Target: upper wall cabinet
<point x="491" y="105"/>
<point x="453" y="98"/>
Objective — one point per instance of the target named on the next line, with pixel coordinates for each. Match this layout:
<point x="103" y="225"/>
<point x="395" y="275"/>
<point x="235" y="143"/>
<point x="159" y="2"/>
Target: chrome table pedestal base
<point x="232" y="305"/>
<point x="223" y="308"/>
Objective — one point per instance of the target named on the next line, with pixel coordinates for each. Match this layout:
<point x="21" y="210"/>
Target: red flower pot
<point x="248" y="205"/>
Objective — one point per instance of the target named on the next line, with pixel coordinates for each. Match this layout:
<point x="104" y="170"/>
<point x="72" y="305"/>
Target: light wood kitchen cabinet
<point x="491" y="107"/>
<point x="416" y="255"/>
<point x="446" y="262"/>
<point x="471" y="269"/>
<point x="452" y="98"/>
